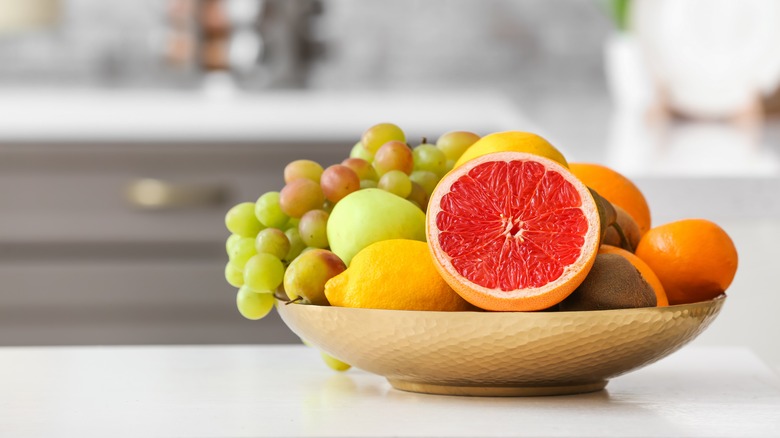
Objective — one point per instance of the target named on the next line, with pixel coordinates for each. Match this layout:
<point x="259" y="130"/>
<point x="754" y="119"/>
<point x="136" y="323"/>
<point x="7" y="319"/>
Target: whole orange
<point x="695" y="259"/>
<point x="617" y="189"/>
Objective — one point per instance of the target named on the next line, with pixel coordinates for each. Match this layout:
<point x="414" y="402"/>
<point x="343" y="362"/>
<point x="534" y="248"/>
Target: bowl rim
<point x="718" y="300"/>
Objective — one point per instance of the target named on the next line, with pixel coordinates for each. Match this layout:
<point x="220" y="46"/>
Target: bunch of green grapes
<point x="279" y="244"/>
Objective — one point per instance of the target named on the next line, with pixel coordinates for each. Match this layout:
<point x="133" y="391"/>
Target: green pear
<point x="371" y="215"/>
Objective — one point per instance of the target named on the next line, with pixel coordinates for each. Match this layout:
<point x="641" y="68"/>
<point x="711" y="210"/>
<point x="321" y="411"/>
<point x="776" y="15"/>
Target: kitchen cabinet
<point x="82" y="262"/>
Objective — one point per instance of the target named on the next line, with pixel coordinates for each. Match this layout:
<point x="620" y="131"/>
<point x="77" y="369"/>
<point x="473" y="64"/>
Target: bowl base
<point x="497" y="391"/>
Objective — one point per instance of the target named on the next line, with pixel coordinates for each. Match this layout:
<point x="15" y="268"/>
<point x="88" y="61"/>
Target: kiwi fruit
<point x="607" y="212"/>
<point x="627" y="225"/>
<point x="612" y="283"/>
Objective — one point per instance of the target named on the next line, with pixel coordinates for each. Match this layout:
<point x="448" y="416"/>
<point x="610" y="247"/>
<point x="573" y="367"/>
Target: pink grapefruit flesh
<point x="513" y="231"/>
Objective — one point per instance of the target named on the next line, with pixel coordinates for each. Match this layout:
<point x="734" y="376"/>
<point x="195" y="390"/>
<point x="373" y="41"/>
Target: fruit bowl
<point x="497" y="353"/>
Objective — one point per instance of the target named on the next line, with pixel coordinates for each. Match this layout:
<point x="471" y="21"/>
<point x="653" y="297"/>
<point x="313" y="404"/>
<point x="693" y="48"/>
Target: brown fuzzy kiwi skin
<point x="612" y="283"/>
<point x="629" y="228"/>
<point x="607" y="212"/>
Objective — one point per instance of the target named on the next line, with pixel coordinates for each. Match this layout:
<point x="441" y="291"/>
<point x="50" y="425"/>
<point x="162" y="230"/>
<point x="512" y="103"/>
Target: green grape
<point x="292" y="223"/>
<point x="368" y="184"/>
<point x="296" y="244"/>
<point x="268" y="211"/>
<point x="339" y="181"/>
<point x="307" y="169"/>
<point x="450" y="165"/>
<point x="241" y="220"/>
<point x="426" y="180"/>
<point x="300" y="196"/>
<point x="429" y="157"/>
<point x="374" y="137"/>
<point x="396" y="182"/>
<point x="334" y="363"/>
<point x="454" y="143"/>
<point x="233" y="275"/>
<point x="358" y="151"/>
<point x="417" y="195"/>
<point x="253" y="305"/>
<point x="313" y="228"/>
<point x="242" y="251"/>
<point x="272" y="241"/>
<point x="362" y="168"/>
<point x="306" y="276"/>
<point x="263" y="272"/>
<point x="231" y="241"/>
<point x="394" y="155"/>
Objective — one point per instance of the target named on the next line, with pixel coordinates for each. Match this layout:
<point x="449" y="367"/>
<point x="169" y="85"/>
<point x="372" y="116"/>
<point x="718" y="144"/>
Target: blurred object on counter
<point x="180" y="47"/>
<point x="672" y="147"/>
<point x="22" y="15"/>
<point x="772" y="104"/>
<point x="259" y="42"/>
<point x="703" y="60"/>
<point x="172" y="43"/>
<point x="713" y="59"/>
<point x="230" y="41"/>
<point x="628" y="78"/>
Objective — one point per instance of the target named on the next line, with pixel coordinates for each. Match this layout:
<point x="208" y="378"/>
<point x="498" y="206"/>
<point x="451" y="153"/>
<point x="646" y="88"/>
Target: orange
<point x="617" y="189"/>
<point x="694" y="259"/>
<point x="512" y="141"/>
<point x="644" y="270"/>
<point x="512" y="231"/>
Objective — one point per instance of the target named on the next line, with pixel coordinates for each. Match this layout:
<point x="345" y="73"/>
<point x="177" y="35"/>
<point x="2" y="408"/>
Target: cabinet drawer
<point x="126" y="301"/>
<point x="79" y="193"/>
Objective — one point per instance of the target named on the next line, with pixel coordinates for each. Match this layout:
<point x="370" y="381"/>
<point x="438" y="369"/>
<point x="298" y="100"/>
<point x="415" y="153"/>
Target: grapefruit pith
<point x="512" y="231"/>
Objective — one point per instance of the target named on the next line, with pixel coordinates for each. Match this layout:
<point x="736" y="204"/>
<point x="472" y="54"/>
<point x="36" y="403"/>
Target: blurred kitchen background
<point x="127" y="129"/>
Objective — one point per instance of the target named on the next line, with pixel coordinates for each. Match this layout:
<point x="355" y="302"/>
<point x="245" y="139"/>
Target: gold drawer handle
<point x="155" y="194"/>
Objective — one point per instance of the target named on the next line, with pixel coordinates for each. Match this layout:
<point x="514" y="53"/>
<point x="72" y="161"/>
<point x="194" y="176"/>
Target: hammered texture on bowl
<point x="472" y="352"/>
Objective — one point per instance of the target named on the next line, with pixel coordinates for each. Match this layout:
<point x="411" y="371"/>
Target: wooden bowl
<point x="499" y="353"/>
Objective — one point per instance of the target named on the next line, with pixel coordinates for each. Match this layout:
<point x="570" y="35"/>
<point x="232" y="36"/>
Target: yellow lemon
<point x="512" y="141"/>
<point x="393" y="274"/>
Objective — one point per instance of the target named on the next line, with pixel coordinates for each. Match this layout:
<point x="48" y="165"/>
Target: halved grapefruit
<point x="512" y="231"/>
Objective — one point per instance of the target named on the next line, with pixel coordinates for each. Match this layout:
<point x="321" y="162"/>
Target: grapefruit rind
<point x="523" y="298"/>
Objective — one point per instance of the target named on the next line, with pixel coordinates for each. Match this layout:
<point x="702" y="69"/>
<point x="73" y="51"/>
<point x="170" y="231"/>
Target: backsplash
<point x="330" y="44"/>
<point x="445" y="44"/>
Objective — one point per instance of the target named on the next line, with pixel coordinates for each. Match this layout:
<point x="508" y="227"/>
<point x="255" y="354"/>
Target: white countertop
<point x="65" y="115"/>
<point x="253" y="391"/>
